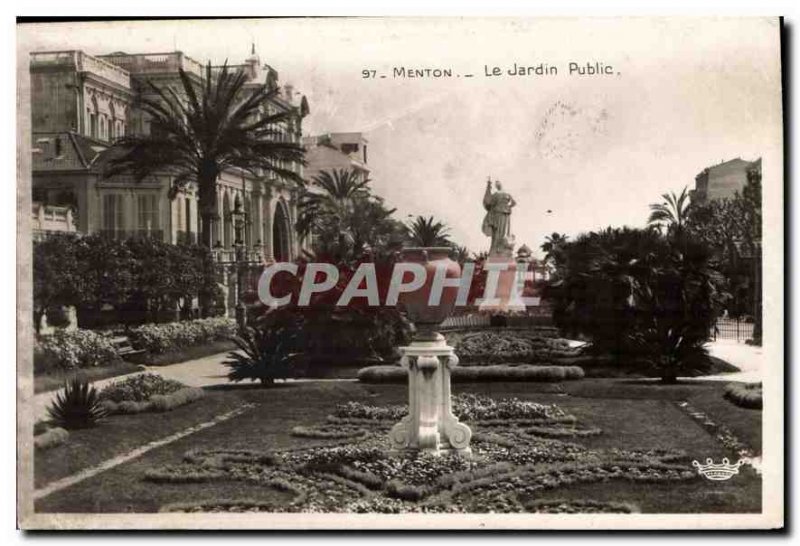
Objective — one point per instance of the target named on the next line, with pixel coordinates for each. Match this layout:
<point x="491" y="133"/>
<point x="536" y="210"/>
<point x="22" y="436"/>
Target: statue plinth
<point x="430" y="425"/>
<point x="507" y="296"/>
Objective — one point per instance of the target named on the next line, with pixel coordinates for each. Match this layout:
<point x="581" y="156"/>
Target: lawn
<point x="630" y="415"/>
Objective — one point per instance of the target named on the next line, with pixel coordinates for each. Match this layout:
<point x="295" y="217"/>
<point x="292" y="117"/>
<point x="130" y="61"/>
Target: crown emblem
<point x="719" y="472"/>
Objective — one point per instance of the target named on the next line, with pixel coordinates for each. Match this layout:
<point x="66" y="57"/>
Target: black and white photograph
<point x="400" y="273"/>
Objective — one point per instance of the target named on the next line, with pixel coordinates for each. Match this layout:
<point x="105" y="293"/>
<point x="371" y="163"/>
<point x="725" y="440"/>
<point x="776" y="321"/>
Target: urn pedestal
<point x="430" y="425"/>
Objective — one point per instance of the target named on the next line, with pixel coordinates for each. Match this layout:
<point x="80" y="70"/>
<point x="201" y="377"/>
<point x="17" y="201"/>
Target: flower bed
<point x="72" y="350"/>
<point x="746" y="395"/>
<point x="51" y="437"/>
<point x="472" y="374"/>
<point x="482" y="348"/>
<point x="147" y="392"/>
<point x="519" y="458"/>
<point x="560" y="506"/>
<point x="162" y="338"/>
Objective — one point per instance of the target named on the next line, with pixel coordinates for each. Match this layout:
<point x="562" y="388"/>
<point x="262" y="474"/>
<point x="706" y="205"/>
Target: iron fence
<point x="732" y="328"/>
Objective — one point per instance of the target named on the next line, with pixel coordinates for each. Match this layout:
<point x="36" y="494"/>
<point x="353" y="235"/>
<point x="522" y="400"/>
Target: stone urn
<point x="430" y="425"/>
<point x="427" y="317"/>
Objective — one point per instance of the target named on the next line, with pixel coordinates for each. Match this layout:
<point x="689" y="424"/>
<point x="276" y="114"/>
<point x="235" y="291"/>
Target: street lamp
<point x="237" y="215"/>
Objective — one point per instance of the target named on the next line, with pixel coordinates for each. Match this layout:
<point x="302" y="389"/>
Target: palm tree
<point x="460" y="254"/>
<point x="671" y="213"/>
<point x="552" y="246"/>
<point x="204" y="128"/>
<point x="347" y="221"/>
<point x="332" y="195"/>
<point x="428" y="232"/>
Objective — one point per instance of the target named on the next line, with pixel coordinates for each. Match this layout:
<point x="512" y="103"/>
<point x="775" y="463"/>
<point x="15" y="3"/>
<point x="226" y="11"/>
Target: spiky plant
<point x="264" y="354"/>
<point x="77" y="406"/>
<point x="428" y="232"/>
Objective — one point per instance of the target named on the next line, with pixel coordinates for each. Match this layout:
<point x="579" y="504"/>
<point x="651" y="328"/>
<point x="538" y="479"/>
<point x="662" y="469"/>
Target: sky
<point x="577" y="152"/>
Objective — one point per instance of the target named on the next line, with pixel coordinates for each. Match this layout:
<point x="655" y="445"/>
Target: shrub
<point x="139" y="388"/>
<point x="746" y="395"/>
<point x="265" y="354"/>
<point x="156" y="403"/>
<point x="636" y="292"/>
<point x="524" y="373"/>
<point x="50" y="438"/>
<point x="161" y="338"/>
<point x="71" y="350"/>
<point x="77" y="406"/>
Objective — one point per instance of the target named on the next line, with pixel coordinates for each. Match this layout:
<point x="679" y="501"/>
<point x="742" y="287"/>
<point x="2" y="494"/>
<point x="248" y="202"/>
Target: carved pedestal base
<point x="506" y="295"/>
<point x="430" y="425"/>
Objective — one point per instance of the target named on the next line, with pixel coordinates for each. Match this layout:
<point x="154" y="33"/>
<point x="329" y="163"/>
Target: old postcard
<point x="401" y="273"/>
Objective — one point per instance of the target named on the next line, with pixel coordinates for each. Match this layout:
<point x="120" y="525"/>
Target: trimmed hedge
<point x="746" y="395"/>
<point x="522" y="373"/>
<point x="161" y="338"/>
<point x="156" y="403"/>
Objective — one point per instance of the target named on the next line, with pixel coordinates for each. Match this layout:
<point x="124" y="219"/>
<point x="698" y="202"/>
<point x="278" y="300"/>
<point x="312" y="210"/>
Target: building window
<point x="92" y="124"/>
<point x="147" y="211"/>
<point x="113" y="215"/>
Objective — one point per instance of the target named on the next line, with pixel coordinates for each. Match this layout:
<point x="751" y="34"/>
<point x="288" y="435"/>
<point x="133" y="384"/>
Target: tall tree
<point x="428" y="232"/>
<point x="346" y="221"/>
<point x="331" y="196"/>
<point x="672" y="213"/>
<point x="553" y="246"/>
<point x="204" y="128"/>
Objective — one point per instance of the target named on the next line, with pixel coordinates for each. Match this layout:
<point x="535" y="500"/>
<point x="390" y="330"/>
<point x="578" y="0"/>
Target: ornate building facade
<point x="81" y="103"/>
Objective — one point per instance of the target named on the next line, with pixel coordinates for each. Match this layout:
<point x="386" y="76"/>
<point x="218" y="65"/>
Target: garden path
<point x="748" y="358"/>
<point x="209" y="370"/>
<point x="200" y="372"/>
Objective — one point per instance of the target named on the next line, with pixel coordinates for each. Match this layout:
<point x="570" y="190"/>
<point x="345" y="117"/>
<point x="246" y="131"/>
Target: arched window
<point x="92" y="110"/>
<point x="280" y="233"/>
<point x="227" y="235"/>
<point x="112" y="122"/>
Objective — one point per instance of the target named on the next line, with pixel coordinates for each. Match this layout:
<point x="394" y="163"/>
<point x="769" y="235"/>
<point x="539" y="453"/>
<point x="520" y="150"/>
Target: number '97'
<point x="366" y="74"/>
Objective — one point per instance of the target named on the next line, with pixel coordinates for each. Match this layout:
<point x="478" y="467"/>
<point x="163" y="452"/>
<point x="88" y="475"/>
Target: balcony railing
<point x="52" y="219"/>
<point x="82" y="62"/>
<point x="152" y="63"/>
<point x="228" y="255"/>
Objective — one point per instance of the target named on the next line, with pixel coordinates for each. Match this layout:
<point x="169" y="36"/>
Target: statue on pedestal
<point x="497" y="222"/>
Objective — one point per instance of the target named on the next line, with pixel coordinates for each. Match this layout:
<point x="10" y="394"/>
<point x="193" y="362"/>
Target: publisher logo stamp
<point x="719" y="472"/>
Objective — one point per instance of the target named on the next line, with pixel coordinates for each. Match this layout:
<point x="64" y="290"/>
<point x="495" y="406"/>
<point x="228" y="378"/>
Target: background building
<point x="723" y="180"/>
<point x="335" y="151"/>
<point x="81" y="103"/>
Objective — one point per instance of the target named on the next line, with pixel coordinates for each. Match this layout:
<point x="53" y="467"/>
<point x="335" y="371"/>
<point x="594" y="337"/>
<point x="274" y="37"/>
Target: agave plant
<point x="264" y="354"/>
<point x="77" y="406"/>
